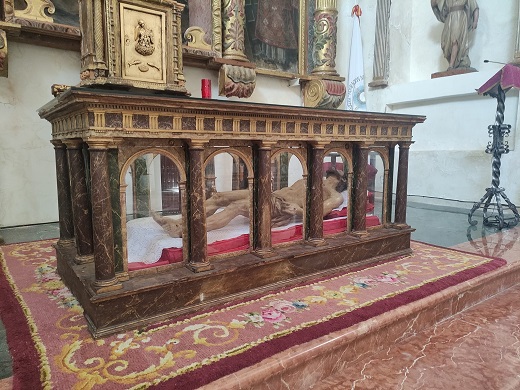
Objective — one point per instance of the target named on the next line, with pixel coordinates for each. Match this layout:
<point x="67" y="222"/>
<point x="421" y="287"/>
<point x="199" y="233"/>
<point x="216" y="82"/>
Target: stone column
<point x="402" y="184"/>
<point x="233" y="20"/>
<point x="103" y="235"/>
<point x="262" y="201"/>
<point x="198" y="259"/>
<point x="382" y="45"/>
<point x="64" y="196"/>
<point x="315" y="197"/>
<point x="325" y="32"/>
<point x="81" y="206"/>
<point x="359" y="222"/>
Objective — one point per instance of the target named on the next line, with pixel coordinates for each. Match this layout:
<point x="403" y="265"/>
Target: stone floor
<point x="478" y="348"/>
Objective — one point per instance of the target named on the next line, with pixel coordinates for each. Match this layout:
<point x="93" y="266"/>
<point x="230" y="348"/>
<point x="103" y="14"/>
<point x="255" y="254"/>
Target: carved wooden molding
<point x="236" y="81"/>
<point x="103" y="114"/>
<point x="323" y="93"/>
<point x="196" y="38"/>
<point x="35" y="10"/>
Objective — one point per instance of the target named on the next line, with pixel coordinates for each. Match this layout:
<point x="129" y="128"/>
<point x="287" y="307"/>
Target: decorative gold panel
<point x="132" y="43"/>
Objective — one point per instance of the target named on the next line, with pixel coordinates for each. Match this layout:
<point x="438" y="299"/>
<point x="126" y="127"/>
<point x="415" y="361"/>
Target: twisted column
<point x="498" y="139"/>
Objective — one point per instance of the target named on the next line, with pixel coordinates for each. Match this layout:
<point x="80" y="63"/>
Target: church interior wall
<point x="447" y="160"/>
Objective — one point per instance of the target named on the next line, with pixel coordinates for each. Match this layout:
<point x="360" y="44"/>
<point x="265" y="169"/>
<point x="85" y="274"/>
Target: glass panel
<point x="153" y="212"/>
<point x="227" y="204"/>
<point x="375" y="185"/>
<point x="335" y="193"/>
<point x="288" y="198"/>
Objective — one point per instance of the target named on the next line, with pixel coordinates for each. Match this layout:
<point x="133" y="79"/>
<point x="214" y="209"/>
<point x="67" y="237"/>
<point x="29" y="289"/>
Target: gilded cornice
<point x="85" y="113"/>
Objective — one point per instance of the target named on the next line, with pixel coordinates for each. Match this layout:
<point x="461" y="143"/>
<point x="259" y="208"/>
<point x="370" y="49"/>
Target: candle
<point x="206" y="88"/>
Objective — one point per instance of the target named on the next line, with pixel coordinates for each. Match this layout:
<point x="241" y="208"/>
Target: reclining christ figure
<point x="287" y="204"/>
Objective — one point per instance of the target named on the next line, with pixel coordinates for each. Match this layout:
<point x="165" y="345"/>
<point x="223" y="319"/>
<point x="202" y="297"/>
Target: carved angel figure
<point x="459" y="18"/>
<point x="144" y="39"/>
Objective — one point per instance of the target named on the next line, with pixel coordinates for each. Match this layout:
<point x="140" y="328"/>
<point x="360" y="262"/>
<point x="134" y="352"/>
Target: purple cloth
<point x="508" y="77"/>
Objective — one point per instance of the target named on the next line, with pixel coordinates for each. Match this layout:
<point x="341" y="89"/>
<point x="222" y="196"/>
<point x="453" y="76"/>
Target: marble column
<point x="382" y="45"/>
<point x="315" y="197"/>
<point x="402" y="184"/>
<point x="81" y="206"/>
<point x="198" y="259"/>
<point x="390" y="186"/>
<point x="102" y="229"/>
<point x="359" y="223"/>
<point x="262" y="201"/>
<point x="64" y="196"/>
<point x="233" y="20"/>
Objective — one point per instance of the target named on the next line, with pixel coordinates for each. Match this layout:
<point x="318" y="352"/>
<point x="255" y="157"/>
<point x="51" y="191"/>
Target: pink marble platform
<point x="384" y="352"/>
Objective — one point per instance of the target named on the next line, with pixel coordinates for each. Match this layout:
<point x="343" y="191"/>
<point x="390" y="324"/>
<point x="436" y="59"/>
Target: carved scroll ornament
<point x="323" y="93"/>
<point x="236" y="81"/>
<point x="35" y="10"/>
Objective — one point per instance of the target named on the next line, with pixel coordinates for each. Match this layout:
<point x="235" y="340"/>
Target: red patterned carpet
<point x="52" y="348"/>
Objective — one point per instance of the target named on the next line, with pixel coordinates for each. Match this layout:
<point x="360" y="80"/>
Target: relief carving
<point x="323" y="93"/>
<point x="196" y="38"/>
<point x="236" y="81"/>
<point x="36" y="10"/>
<point x="143" y="36"/>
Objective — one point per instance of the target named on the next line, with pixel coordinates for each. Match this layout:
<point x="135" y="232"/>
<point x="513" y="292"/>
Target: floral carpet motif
<point x="51" y="346"/>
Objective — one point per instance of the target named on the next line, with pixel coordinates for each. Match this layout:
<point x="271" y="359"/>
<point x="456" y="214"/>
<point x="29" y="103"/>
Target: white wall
<point x="27" y="168"/>
<point x="446" y="161"/>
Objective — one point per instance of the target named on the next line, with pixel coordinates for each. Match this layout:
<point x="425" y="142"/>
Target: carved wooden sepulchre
<point x="106" y="143"/>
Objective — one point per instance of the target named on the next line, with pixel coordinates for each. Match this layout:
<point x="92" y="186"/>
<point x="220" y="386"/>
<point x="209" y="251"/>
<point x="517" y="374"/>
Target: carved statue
<point x="144" y="39"/>
<point x="287" y="204"/>
<point x="459" y="18"/>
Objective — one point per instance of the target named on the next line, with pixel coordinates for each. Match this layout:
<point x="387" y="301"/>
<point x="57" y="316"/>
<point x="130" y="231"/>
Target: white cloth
<point x="356" y="78"/>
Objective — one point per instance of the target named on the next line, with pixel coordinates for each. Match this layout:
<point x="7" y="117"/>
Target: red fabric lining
<point x="235" y="244"/>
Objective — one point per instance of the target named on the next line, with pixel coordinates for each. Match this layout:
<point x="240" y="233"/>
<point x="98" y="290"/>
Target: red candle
<point x="206" y="88"/>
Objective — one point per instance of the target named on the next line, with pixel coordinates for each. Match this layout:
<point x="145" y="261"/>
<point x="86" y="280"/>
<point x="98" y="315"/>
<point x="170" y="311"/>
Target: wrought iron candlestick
<point x="497" y="147"/>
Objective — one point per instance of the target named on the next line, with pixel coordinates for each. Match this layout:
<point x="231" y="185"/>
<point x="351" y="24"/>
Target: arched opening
<point x="153" y="211"/>
<point x="228" y="204"/>
<point x="288" y="198"/>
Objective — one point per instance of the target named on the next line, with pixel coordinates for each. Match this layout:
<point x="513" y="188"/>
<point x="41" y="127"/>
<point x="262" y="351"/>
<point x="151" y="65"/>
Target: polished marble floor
<point x="478" y="348"/>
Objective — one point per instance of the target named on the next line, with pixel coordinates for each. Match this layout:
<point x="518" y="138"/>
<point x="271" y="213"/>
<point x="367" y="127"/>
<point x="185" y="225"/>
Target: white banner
<point x="356" y="77"/>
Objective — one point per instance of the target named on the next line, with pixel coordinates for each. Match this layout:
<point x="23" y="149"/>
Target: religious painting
<point x="273" y="38"/>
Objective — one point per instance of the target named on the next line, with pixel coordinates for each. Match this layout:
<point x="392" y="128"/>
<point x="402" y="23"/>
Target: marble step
<point x="475" y="349"/>
<point x="337" y="360"/>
